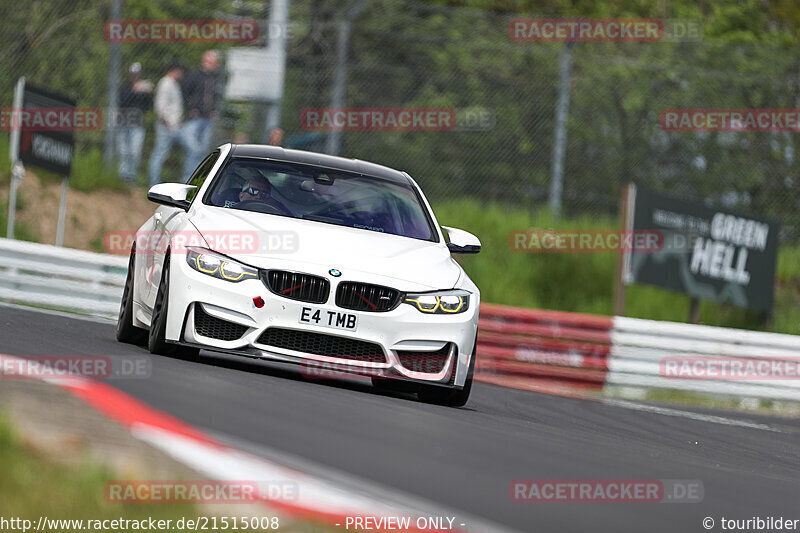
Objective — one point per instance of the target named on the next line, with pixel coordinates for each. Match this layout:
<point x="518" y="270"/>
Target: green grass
<point x="89" y="173"/>
<point x="21" y="231"/>
<point x="530" y="279"/>
<point x="583" y="282"/>
<point x="32" y="485"/>
<point x="709" y="400"/>
<point x="5" y="162"/>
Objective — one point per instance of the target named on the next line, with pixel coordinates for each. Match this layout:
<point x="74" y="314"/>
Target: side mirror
<point x="171" y="194"/>
<point x="462" y="242"/>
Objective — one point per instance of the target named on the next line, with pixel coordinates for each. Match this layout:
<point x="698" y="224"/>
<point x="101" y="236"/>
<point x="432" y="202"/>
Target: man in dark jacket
<point x="135" y="99"/>
<point x="202" y="96"/>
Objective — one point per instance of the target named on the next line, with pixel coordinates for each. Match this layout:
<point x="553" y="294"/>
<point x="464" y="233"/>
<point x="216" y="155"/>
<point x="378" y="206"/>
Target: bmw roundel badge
<point x="335" y="273"/>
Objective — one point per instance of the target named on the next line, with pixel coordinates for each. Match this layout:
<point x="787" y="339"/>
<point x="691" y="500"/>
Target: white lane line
<point x="690" y="415"/>
<point x="343" y="495"/>
<point x="227" y="463"/>
<point x="66" y="314"/>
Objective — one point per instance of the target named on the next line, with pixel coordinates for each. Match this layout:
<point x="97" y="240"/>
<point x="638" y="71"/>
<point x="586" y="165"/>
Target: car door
<point x="168" y="221"/>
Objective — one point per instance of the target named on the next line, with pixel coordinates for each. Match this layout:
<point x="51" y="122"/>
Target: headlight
<point x="218" y="266"/>
<point x="440" y="303"/>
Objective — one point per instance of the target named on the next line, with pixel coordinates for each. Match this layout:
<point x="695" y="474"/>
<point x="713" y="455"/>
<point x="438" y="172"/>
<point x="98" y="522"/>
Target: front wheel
<point x="126" y="331"/>
<point x="156" y="340"/>
<point x="450" y="397"/>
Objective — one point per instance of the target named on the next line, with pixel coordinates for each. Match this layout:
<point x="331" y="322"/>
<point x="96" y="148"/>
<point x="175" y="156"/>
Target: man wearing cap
<point x="135" y="99"/>
<point x="169" y="120"/>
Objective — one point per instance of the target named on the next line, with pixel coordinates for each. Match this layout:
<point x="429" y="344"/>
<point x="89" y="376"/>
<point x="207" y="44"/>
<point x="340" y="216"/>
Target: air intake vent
<point x="366" y="297"/>
<point x="215" y="328"/>
<point x="321" y="344"/>
<point x="297" y="286"/>
<point x="426" y="362"/>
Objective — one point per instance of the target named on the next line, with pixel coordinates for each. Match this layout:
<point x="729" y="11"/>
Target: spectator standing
<point x="135" y="99"/>
<point x="202" y="108"/>
<point x="169" y="120"/>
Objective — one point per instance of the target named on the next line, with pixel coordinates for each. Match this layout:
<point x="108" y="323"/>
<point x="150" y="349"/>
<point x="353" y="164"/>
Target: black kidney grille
<point x="427" y="362"/>
<point x="215" y="328"/>
<point x="366" y="297"/>
<point x="321" y="344"/>
<point x="297" y="286"/>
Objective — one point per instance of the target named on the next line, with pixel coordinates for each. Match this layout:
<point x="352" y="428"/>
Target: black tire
<point x="156" y="339"/>
<point x="450" y="397"/>
<point x="126" y="331"/>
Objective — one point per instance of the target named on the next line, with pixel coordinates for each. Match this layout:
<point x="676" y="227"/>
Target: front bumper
<point x="431" y="349"/>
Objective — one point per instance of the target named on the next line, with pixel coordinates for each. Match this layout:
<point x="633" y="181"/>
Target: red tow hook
<point x="258" y="301"/>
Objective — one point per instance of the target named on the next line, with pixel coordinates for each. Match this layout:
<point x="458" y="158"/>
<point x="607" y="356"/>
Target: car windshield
<point x="322" y="195"/>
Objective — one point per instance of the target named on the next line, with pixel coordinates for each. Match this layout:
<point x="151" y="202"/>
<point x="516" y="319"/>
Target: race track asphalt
<point x="464" y="459"/>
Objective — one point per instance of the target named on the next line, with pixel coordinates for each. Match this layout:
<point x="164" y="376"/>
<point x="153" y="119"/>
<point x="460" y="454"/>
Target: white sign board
<point x="254" y="74"/>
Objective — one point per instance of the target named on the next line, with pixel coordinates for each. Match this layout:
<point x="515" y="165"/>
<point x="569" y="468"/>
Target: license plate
<point x="329" y="319"/>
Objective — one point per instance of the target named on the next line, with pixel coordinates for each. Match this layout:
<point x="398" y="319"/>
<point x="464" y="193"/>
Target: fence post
<point x="17" y="170"/>
<point x="560" y="133"/>
<point x="278" y="18"/>
<point x="627" y="208"/>
<point x="333" y="143"/>
<point x="114" y="62"/>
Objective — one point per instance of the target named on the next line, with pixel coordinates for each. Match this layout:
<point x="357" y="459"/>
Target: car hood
<point x="316" y="247"/>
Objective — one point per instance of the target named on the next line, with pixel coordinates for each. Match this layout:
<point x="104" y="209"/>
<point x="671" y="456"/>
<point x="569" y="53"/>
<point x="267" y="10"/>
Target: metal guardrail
<point x="516" y="347"/>
<point x="545" y="350"/>
<point x="61" y="278"/>
<point x="639" y="348"/>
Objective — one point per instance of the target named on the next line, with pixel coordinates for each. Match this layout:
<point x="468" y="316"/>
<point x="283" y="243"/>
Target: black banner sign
<point x="50" y="150"/>
<point x="708" y="253"/>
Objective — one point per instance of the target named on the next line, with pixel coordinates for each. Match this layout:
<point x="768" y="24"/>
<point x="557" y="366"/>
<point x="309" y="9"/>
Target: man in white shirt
<point x="168" y="105"/>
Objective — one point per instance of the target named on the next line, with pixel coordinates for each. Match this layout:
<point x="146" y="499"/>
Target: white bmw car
<point x="335" y="264"/>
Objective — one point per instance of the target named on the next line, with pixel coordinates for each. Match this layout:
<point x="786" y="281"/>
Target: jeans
<point x="165" y="138"/>
<point x="129" y="147"/>
<point x="198" y="134"/>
